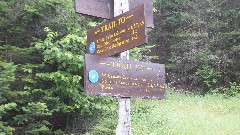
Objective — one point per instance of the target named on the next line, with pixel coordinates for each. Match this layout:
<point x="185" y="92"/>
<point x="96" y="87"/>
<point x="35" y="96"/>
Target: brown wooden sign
<point x="105" y="8"/>
<point x="125" y="31"/>
<point x="149" y="9"/>
<point x="98" y="8"/>
<point x="123" y="78"/>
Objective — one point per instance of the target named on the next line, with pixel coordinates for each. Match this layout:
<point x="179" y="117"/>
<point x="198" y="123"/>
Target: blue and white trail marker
<point x="93" y="76"/>
<point x="92" y="47"/>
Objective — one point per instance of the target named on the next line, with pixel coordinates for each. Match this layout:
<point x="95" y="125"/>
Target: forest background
<point x="42" y="44"/>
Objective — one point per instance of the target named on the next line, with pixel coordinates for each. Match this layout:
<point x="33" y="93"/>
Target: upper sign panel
<point x="105" y="8"/>
<point x="98" y="8"/>
<point x="125" y="31"/>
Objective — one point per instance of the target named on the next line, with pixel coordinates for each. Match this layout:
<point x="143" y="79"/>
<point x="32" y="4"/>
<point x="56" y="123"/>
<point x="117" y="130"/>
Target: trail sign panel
<point x="149" y="9"/>
<point x="98" y="8"/>
<point x="123" y="78"/>
<point x="105" y="8"/>
<point x="125" y="31"/>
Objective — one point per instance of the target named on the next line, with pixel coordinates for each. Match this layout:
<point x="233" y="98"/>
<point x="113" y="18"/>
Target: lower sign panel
<point x="123" y="78"/>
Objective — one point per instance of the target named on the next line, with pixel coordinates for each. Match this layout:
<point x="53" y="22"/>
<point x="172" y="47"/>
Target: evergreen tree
<point x="199" y="42"/>
<point x="44" y="69"/>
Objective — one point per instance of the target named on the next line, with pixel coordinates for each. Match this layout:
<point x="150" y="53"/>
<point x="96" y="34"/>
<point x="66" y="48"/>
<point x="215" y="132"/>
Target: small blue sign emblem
<point x="92" y="47"/>
<point x="93" y="76"/>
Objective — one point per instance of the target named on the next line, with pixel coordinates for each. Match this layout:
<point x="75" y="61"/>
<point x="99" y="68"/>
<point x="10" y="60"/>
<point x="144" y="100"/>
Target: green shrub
<point x="210" y="77"/>
<point x="230" y="91"/>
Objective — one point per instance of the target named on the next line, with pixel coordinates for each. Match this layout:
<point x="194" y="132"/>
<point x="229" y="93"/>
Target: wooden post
<point x="124" y="119"/>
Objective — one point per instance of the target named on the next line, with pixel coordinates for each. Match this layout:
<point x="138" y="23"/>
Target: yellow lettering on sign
<point x="126" y="81"/>
<point x="112" y="25"/>
<point x="96" y="32"/>
<point x="134" y="32"/>
<point x="103" y="74"/>
<point x="106" y="27"/>
<point x="109" y="88"/>
<point x="135" y="38"/>
<point x="114" y="40"/>
<point x="98" y="46"/>
<point x="105" y="87"/>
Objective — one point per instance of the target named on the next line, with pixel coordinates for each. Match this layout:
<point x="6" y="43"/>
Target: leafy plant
<point x="142" y="53"/>
<point x="231" y="91"/>
<point x="209" y="76"/>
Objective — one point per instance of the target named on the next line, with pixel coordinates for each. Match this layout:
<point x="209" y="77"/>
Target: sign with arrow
<point x="125" y="31"/>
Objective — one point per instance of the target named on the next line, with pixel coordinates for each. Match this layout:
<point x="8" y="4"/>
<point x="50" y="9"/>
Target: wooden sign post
<point x="124" y="116"/>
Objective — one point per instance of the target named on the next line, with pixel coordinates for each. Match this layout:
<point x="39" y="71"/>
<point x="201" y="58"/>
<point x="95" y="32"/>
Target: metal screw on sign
<point x="92" y="47"/>
<point x="93" y="76"/>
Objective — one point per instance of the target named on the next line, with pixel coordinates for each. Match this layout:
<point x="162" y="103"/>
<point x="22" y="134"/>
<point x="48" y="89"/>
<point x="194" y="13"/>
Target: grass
<point x="178" y="114"/>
